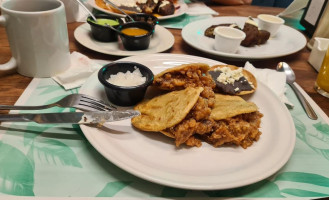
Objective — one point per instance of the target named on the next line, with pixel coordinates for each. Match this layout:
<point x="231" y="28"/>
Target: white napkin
<point x="275" y="80"/>
<point x="81" y="68"/>
<point x="295" y="6"/>
<point x="199" y="8"/>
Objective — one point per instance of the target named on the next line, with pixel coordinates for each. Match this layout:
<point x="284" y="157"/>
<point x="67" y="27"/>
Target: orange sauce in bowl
<point x="134" y="31"/>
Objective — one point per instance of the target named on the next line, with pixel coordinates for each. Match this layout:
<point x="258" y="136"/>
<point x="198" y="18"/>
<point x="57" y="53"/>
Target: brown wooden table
<point x="13" y="85"/>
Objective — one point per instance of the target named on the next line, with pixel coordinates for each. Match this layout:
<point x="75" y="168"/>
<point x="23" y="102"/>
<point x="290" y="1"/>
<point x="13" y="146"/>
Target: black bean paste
<point x="242" y="84"/>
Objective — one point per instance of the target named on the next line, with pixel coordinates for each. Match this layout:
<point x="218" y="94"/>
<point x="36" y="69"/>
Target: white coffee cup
<point x="269" y="23"/>
<point x="228" y="39"/>
<point x="37" y="35"/>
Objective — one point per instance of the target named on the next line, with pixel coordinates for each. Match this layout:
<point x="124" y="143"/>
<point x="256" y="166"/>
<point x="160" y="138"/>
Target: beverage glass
<point x="37" y="35"/>
<point x="322" y="81"/>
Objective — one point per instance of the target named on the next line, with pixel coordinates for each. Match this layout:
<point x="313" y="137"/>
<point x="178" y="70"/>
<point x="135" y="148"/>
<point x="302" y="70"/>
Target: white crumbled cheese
<point x="229" y="76"/>
<point x="127" y="79"/>
<point x="236" y="89"/>
<point x="163" y="3"/>
<point x="141" y="1"/>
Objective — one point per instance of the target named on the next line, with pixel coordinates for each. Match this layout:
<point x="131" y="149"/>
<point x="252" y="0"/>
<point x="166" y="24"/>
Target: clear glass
<point x="322" y="81"/>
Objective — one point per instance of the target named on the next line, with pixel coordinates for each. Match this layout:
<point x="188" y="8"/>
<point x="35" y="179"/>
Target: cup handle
<point x="11" y="65"/>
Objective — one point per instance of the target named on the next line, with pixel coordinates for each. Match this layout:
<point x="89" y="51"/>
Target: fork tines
<point x="97" y="104"/>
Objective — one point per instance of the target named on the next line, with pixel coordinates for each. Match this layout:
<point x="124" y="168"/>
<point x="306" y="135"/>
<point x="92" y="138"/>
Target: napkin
<point x="275" y="80"/>
<point x="81" y="68"/>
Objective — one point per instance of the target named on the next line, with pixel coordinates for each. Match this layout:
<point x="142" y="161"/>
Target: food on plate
<point x="209" y="32"/>
<point x="178" y="114"/>
<point x="127" y="79"/>
<point x="191" y="112"/>
<point x="134" y="31"/>
<point x="140" y="6"/>
<point x="187" y="75"/>
<point x="254" y="36"/>
<point x="235" y="122"/>
<point x="233" y="80"/>
<point x="165" y="7"/>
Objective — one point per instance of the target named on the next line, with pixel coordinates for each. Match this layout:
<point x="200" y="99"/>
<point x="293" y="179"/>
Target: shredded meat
<point x="196" y="122"/>
<point x="240" y="130"/>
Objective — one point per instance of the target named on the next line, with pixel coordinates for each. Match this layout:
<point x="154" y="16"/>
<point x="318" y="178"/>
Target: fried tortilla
<point x="235" y="122"/>
<point x="183" y="76"/>
<point x="243" y="85"/>
<point x="166" y="110"/>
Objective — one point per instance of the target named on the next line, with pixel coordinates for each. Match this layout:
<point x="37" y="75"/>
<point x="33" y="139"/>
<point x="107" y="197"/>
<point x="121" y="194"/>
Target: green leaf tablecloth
<point x="58" y="161"/>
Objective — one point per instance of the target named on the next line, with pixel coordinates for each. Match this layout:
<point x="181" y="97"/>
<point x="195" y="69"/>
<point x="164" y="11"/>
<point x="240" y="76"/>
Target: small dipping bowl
<point x="124" y="95"/>
<point x="270" y="23"/>
<point x="101" y="32"/>
<point x="228" y="39"/>
<point x="136" y="42"/>
<point x="143" y="17"/>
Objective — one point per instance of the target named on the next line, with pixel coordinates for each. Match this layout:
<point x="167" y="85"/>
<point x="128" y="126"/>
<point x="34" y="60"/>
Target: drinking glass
<point x="322" y="81"/>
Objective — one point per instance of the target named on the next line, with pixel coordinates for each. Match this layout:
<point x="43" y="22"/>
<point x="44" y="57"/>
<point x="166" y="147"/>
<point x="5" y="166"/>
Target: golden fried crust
<point x="249" y="76"/>
<point x="166" y="110"/>
<point x="201" y="66"/>
<point x="227" y="106"/>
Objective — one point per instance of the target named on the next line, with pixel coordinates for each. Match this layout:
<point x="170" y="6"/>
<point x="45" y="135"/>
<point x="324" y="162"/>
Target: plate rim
<point x="181" y="3"/>
<point x="135" y="172"/>
<point x="237" y="56"/>
<point x="170" y="41"/>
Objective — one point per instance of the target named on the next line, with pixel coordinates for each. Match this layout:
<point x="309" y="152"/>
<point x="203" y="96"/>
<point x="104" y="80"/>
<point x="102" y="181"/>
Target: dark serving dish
<point x="133" y="43"/>
<point x="124" y="95"/>
<point x="101" y="32"/>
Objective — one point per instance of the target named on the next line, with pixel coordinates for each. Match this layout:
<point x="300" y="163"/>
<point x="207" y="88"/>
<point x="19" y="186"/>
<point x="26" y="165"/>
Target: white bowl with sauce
<point x="228" y="39"/>
<point x="270" y="23"/>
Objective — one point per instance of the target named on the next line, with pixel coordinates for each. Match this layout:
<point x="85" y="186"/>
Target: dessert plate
<point x="154" y="157"/>
<point x="286" y="42"/>
<point x="181" y="9"/>
<point x="160" y="41"/>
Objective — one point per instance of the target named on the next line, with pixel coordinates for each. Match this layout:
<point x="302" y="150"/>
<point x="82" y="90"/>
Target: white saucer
<point x="161" y="40"/>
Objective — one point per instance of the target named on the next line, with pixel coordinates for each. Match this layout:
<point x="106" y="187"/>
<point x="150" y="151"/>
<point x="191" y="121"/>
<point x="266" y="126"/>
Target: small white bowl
<point x="228" y="39"/>
<point x="269" y="23"/>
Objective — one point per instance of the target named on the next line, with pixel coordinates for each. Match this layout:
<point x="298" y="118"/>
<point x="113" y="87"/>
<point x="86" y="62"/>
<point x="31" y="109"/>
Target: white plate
<point x="153" y="156"/>
<point x="180" y="11"/>
<point x="161" y="40"/>
<point x="286" y="42"/>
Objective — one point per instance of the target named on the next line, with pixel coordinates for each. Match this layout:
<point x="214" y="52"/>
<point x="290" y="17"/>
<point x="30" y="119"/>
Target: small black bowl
<point x="143" y="17"/>
<point x="103" y="33"/>
<point x="133" y="43"/>
<point x="124" y="95"/>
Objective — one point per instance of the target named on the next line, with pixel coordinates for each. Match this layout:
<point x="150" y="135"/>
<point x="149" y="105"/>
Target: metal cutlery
<point x="79" y="101"/>
<point x="97" y="117"/>
<point x="290" y="79"/>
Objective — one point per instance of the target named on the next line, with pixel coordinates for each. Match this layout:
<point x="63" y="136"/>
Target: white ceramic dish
<point x="287" y="40"/>
<point x="160" y="41"/>
<point x="153" y="156"/>
<point x="180" y="11"/>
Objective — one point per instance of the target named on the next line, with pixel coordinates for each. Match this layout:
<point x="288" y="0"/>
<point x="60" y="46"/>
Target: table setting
<point x="68" y="132"/>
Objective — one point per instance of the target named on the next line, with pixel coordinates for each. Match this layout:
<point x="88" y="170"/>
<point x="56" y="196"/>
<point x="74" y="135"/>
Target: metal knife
<point x="97" y="117"/>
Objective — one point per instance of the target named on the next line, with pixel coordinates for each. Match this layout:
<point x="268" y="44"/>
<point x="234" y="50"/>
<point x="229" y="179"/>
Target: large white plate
<point x="153" y="156"/>
<point x="180" y="11"/>
<point x="161" y="40"/>
<point x="287" y="41"/>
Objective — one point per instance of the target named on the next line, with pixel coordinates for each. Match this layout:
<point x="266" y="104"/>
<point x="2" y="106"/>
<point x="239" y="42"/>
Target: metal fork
<point x="79" y="101"/>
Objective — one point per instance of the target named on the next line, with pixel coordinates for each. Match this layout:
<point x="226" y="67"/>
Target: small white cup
<point x="269" y="23"/>
<point x="228" y="39"/>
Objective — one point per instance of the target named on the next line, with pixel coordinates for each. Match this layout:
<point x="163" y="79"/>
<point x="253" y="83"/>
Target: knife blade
<point x="97" y="117"/>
